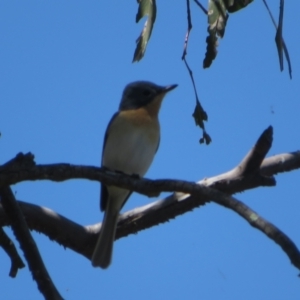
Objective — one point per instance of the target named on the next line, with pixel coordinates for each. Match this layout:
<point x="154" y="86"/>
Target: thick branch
<point x="81" y="239"/>
<point x="284" y="162"/>
<point x="251" y="172"/>
<point x="32" y="255"/>
<point x="246" y="175"/>
<point x="58" y="228"/>
<point x="163" y="210"/>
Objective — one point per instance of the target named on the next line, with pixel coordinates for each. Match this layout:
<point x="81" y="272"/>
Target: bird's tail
<point x="103" y="251"/>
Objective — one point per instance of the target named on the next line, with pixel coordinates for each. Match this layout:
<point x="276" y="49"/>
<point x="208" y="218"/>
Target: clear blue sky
<point x="63" y="68"/>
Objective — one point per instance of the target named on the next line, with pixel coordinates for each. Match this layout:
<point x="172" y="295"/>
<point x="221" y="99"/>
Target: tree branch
<point x="255" y="220"/>
<point x="286" y="53"/>
<point x="62" y="230"/>
<point x="199" y="114"/>
<point x="284" y="162"/>
<point x="10" y="249"/>
<point x="253" y="171"/>
<point x="32" y="255"/>
<point x="201" y="6"/>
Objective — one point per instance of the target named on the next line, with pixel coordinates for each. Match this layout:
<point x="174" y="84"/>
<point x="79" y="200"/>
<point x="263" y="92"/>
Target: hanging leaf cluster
<point x="217" y="20"/>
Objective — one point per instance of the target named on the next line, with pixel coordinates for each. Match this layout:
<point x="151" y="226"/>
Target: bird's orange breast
<point x="144" y="116"/>
<point x="133" y="138"/>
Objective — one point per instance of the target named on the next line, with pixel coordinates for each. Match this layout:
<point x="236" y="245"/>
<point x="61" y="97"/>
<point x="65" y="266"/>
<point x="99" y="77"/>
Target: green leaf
<point x="217" y="19"/>
<point x="236" y="5"/>
<point x="146" y="8"/>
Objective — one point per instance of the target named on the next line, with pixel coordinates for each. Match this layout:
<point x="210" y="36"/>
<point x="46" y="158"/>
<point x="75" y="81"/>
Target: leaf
<point x="287" y="56"/>
<point x="146" y="8"/>
<point x="236" y="5"/>
<point x="205" y="138"/>
<point x="200" y="116"/>
<point x="217" y="19"/>
<point x="278" y="37"/>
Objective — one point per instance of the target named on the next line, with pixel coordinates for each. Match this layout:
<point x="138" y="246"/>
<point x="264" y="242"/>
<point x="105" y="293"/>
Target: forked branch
<point x="254" y="170"/>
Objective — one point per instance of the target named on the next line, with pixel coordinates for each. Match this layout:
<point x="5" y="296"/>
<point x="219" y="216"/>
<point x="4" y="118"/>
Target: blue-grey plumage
<point x="131" y="141"/>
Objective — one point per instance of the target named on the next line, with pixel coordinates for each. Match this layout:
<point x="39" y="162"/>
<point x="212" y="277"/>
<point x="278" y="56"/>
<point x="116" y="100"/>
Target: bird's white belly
<point x="132" y="151"/>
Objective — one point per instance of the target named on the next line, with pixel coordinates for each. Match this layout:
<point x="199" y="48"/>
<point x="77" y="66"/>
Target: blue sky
<point x="63" y="67"/>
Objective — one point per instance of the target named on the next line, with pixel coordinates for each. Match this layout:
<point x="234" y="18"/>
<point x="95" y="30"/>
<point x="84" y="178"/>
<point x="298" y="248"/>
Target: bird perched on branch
<point x="130" y="143"/>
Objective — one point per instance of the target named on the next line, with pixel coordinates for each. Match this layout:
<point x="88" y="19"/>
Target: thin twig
<point x="190" y="26"/>
<point x="201" y="6"/>
<point x="283" y="42"/>
<point x="255" y="220"/>
<point x="199" y="114"/>
<point x="186" y="40"/>
<point x="192" y="78"/>
<point x="270" y="13"/>
<point x="10" y="249"/>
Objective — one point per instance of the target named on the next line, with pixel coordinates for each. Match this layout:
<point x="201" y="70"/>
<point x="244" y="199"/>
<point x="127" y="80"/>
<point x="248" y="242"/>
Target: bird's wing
<point x="157" y="145"/>
<point x="104" y="192"/>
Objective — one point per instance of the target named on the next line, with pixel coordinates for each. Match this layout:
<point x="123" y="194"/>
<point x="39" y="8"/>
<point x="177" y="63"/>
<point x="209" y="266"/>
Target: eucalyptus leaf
<point x="217" y="19"/>
<point x="146" y="8"/>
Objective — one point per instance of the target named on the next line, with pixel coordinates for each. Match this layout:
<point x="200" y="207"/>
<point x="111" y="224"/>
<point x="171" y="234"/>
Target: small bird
<point x="130" y="143"/>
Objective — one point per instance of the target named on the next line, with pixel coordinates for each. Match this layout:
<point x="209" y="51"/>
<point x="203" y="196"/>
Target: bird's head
<point x="143" y="93"/>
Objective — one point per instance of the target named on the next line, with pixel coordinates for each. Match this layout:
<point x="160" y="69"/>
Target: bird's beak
<point x="169" y="88"/>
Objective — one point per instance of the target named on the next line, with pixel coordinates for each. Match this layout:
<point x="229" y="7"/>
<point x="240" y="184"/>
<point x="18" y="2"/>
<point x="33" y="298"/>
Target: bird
<point x="131" y="140"/>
